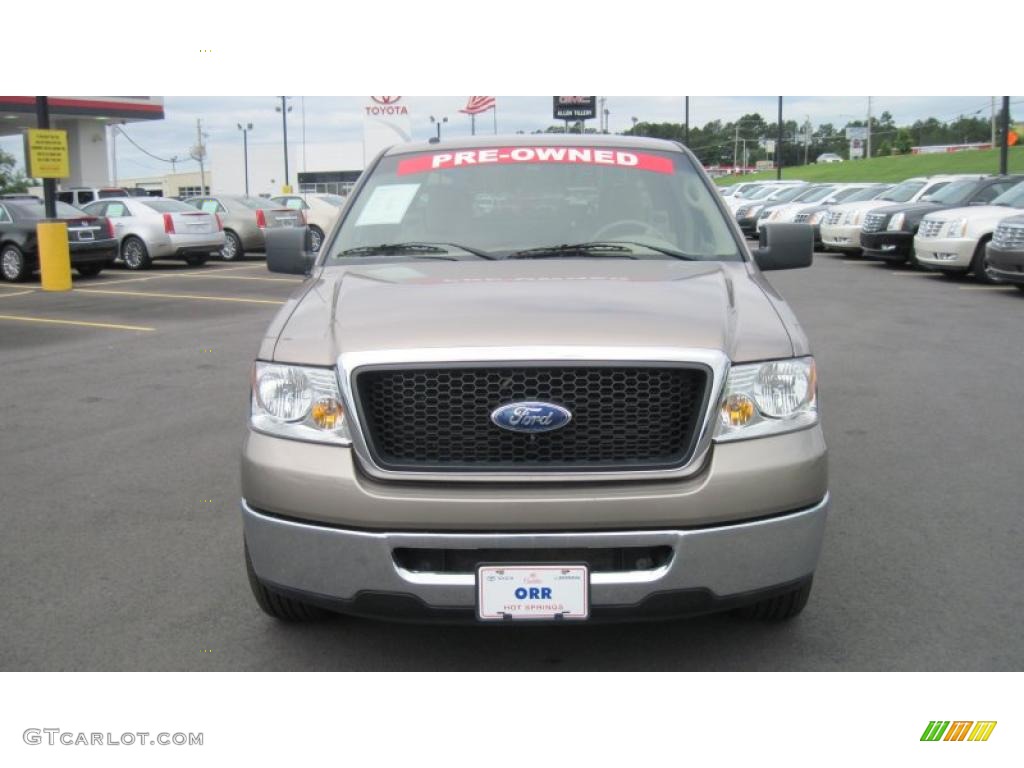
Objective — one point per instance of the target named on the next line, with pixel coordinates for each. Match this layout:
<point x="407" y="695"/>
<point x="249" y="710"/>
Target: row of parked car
<point x="136" y="230"/>
<point x="956" y="224"/>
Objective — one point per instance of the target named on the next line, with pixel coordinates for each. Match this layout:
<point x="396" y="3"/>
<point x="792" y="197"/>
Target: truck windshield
<point x="504" y="200"/>
<point x="1013" y="197"/>
<point x="864" y="193"/>
<point x="954" y="193"/>
<point x="902" y="193"/>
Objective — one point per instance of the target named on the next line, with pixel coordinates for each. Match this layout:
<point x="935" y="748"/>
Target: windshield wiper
<point x="411" y="248"/>
<point x="579" y="249"/>
<point x="667" y="251"/>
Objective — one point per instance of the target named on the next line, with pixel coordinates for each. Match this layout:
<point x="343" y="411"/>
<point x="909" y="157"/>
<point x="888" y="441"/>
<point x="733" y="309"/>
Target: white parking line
<point x="920" y="274"/>
<point x="1002" y="288"/>
<point x="56" y="321"/>
<point x="17" y="293"/>
<point x="192" y="296"/>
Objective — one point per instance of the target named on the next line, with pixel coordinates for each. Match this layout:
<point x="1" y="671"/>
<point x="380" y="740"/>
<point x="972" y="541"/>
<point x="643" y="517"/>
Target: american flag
<point x="478" y="104"/>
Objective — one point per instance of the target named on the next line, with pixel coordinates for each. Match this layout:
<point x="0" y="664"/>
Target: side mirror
<point x="289" y="251"/>
<point x="785" y="246"/>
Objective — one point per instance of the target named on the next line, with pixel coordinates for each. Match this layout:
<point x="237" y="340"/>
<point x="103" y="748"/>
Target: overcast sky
<point x="340" y="118"/>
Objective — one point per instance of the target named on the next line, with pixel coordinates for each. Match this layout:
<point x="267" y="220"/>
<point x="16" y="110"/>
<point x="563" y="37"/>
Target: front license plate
<point x="513" y="592"/>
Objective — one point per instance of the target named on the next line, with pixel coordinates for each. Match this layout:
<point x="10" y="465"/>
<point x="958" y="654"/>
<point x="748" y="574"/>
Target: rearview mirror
<point x="784" y="246"/>
<point x="289" y="251"/>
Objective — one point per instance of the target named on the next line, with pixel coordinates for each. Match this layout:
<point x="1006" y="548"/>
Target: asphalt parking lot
<point x="124" y="403"/>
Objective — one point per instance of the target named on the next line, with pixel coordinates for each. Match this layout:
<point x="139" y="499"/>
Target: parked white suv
<point x="840" y="229"/>
<point x="953" y="241"/>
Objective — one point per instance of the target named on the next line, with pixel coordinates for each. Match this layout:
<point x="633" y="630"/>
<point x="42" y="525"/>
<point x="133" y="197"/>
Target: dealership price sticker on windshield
<point x="532" y="592"/>
<point x="438" y="161"/>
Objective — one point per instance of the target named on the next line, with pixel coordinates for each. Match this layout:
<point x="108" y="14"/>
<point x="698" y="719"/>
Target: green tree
<point x="11" y="180"/>
<point x="904" y="141"/>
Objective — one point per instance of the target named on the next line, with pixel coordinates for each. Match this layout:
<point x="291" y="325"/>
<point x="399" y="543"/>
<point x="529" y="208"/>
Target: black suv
<point x="888" y="232"/>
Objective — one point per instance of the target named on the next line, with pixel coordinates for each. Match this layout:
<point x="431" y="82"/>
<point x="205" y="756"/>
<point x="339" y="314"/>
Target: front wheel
<point x="13" y="264"/>
<point x="232" y="248"/>
<point x="275" y="604"/>
<point x="979" y="265"/>
<point x="782" y="607"/>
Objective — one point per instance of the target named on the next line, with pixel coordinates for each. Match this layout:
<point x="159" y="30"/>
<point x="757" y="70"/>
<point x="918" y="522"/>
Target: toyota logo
<point x="385" y="99"/>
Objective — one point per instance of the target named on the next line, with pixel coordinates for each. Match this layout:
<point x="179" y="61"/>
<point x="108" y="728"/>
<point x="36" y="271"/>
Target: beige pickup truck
<point x="534" y="379"/>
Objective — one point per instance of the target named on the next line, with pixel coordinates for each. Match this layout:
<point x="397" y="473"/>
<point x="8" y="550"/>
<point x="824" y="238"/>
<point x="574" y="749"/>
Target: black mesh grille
<point x="629" y="417"/>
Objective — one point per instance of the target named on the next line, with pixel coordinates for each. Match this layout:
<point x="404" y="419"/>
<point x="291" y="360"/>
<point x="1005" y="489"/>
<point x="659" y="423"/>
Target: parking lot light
<point x="245" y="151"/>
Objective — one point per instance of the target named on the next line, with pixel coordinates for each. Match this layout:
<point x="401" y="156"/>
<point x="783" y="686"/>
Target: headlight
<point x="753" y="211"/>
<point x="853" y="217"/>
<point x="814" y="218"/>
<point x="956" y="228"/>
<point x="768" y="399"/>
<point x="299" y="403"/>
<point x="896" y="222"/>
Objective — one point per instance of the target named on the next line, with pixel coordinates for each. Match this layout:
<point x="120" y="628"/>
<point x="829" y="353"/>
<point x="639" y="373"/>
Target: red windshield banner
<point x="520" y="155"/>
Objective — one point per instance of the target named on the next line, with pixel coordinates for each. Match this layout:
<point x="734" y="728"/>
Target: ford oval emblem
<point x="530" y="416"/>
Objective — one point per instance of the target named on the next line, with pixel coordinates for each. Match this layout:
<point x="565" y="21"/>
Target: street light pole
<point x="1004" y="145"/>
<point x="778" y="146"/>
<point x="284" y="109"/>
<point x="245" y="151"/>
<point x="686" y="125"/>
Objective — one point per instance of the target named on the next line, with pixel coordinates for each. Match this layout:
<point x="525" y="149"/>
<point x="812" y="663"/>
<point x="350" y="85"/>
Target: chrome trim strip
<point x="349" y="363"/>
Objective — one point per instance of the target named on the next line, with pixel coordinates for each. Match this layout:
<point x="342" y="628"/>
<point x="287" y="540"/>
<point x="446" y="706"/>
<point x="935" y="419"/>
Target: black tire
<point x="277" y="605"/>
<point x="135" y="254"/>
<point x="979" y="265"/>
<point x="90" y="270"/>
<point x="779" y="608"/>
<point x="316" y="238"/>
<point x="1020" y="287"/>
<point x="196" y="261"/>
<point x="232" y="250"/>
<point x="13" y="265"/>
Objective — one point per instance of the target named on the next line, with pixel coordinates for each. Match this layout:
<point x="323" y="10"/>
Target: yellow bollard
<point x="54" y="255"/>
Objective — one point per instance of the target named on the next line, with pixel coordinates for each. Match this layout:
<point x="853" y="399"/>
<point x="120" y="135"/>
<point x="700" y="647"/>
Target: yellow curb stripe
<point x="178" y="296"/>
<point x="18" y="293"/>
<point x="55" y="321"/>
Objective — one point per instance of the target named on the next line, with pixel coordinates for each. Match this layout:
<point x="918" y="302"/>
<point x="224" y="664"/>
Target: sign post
<point x="46" y="158"/>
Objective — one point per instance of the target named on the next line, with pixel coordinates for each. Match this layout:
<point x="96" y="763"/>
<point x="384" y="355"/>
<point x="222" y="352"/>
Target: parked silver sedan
<point x="245" y="218"/>
<point x="149" y="228"/>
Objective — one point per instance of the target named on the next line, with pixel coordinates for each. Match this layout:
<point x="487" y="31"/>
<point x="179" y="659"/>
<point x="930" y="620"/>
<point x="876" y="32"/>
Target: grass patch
<point x="895" y="168"/>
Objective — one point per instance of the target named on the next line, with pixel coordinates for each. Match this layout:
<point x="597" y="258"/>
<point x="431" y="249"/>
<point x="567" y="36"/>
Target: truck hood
<point x="598" y="302"/>
<point x="975" y="214"/>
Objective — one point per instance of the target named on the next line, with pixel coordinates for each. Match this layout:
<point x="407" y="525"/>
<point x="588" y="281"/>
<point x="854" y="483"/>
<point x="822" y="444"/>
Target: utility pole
<point x="1004" y="144"/>
<point x="868" y="127"/>
<point x="113" y="147"/>
<point x="993" y="121"/>
<point x="199" y="153"/>
<point x="686" y="125"/>
<point x="778" y="146"/>
<point x="284" y="127"/>
<point x="807" y="137"/>
<point x="736" y="146"/>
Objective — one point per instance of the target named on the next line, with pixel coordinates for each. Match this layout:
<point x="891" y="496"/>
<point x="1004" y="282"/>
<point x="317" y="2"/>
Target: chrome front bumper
<point x="339" y="565"/>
